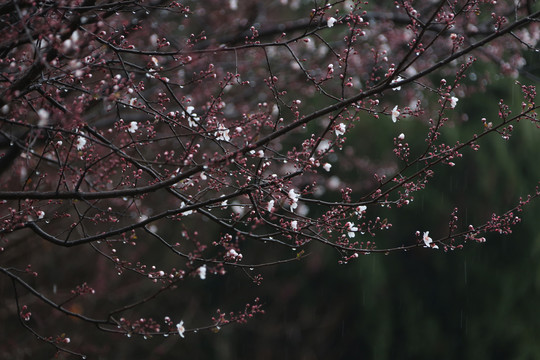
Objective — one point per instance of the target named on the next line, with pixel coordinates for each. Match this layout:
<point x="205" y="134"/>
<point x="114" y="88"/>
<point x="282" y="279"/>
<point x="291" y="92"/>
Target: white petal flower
<point x="398" y="79"/>
<point x="331" y="21"/>
<point x="401" y="136"/>
<point x="340" y="129"/>
<point x="185" y="213"/>
<point x="202" y="272"/>
<point x="428" y="241"/>
<point x="453" y="101"/>
<point x="40" y="214"/>
<point x="360" y="209"/>
<point x="133" y="126"/>
<point x="43" y="117"/>
<point x="80" y="143"/>
<point x="232" y="253"/>
<point x="180" y="328"/>
<point x="294" y="225"/>
<point x="395" y="113"/>
<point x="351" y="229"/>
<point x="270" y="206"/>
<point x="133" y="101"/>
<point x="294" y="198"/>
<point x="327" y="166"/>
<point x="222" y="133"/>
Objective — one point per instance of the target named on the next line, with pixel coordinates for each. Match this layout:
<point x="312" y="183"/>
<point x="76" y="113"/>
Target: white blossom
<point x="133" y="127"/>
<point x="294" y="225"/>
<point x="222" y="133"/>
<point x="294" y="198"/>
<point x="327" y="166"/>
<point x="185" y="213"/>
<point x="40" y="214"/>
<point x="133" y="101"/>
<point x="43" y="117"/>
<point x="232" y="253"/>
<point x="180" y="328"/>
<point x="80" y="143"/>
<point x="202" y="272"/>
<point x="340" y="129"/>
<point x="395" y="113"/>
<point x="401" y="136"/>
<point x="351" y="229"/>
<point x="360" y="209"/>
<point x="331" y="21"/>
<point x="453" y="101"/>
<point x="428" y="241"/>
<point x="396" y="80"/>
<point x="270" y="206"/>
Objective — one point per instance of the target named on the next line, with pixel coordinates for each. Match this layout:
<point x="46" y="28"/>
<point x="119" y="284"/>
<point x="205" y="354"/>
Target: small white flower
<point x="401" y="136"/>
<point x="133" y="101"/>
<point x="428" y="241"/>
<point x="340" y="129"/>
<point x="351" y="229"/>
<point x="133" y="127"/>
<point x="180" y="328"/>
<point x="396" y="80"/>
<point x="327" y="166"/>
<point x="232" y="253"/>
<point x="155" y="61"/>
<point x="294" y="225"/>
<point x="270" y="206"/>
<point x="360" y="209"/>
<point x="395" y="113"/>
<point x="185" y="213"/>
<point x="80" y="143"/>
<point x="294" y="198"/>
<point x="222" y="133"/>
<point x="202" y="272"/>
<point x="40" y="214"/>
<point x="453" y="101"/>
<point x="43" y="117"/>
<point x="331" y="21"/>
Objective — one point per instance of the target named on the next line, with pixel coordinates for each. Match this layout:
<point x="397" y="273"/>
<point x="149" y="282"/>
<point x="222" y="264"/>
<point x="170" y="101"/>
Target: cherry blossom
<point x="222" y="133"/>
<point x="80" y="142"/>
<point x="294" y="196"/>
<point x="201" y="271"/>
<point x="351" y="229"/>
<point x="453" y="101"/>
<point x="428" y="241"/>
<point x="340" y="129"/>
<point x="180" y="328"/>
<point x="330" y="22"/>
<point x="133" y="126"/>
<point x="395" y="113"/>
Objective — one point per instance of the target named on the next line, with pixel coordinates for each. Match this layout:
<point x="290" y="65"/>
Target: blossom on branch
<point x="428" y="241"/>
<point x="331" y="21"/>
<point x="395" y="113"/>
<point x="180" y="328"/>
